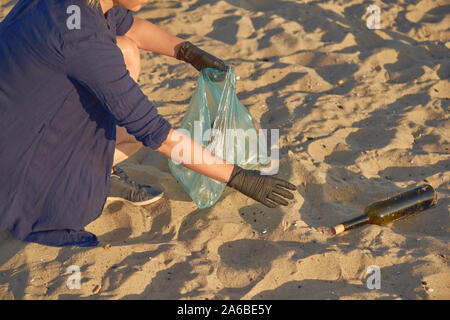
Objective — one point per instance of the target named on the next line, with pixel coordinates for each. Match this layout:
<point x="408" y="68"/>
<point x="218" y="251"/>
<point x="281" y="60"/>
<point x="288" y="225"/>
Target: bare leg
<point x="126" y="144"/>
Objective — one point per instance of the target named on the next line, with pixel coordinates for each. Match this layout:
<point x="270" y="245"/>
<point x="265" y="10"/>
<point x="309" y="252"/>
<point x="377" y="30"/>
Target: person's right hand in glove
<point x="268" y="190"/>
<point x="198" y="58"/>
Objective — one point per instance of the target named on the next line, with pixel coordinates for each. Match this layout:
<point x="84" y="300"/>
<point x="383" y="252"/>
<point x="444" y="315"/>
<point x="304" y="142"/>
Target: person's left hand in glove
<point x="268" y="190"/>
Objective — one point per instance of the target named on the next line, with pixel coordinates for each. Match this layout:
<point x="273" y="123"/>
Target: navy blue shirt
<point x="62" y="93"/>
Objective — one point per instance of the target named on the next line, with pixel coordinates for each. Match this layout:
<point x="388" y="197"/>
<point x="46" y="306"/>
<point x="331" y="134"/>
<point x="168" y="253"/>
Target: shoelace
<point x="137" y="192"/>
<point x="122" y="175"/>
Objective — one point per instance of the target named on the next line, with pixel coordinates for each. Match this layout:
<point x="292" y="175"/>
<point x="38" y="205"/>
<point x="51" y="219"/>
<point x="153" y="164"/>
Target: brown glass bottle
<point x="394" y="208"/>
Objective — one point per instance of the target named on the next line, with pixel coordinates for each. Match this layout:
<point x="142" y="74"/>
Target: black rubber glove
<point x="268" y="190"/>
<point x="199" y="58"/>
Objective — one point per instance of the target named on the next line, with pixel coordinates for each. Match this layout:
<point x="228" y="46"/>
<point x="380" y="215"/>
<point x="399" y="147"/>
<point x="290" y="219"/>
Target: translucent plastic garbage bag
<point x="217" y="120"/>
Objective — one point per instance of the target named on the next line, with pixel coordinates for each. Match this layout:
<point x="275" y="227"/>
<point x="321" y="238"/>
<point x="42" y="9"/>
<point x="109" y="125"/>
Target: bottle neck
<point x="356" y="222"/>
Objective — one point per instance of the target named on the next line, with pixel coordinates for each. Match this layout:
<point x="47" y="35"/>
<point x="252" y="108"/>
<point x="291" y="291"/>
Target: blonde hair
<point x="93" y="3"/>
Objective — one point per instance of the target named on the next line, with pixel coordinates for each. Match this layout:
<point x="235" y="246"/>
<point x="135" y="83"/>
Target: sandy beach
<point x="362" y="113"/>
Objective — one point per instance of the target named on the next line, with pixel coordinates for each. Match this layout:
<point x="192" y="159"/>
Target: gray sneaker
<point x="123" y="188"/>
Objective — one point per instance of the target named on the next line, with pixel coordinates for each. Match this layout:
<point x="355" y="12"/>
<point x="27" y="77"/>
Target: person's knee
<point x="122" y="136"/>
<point x="131" y="55"/>
<point x="128" y="47"/>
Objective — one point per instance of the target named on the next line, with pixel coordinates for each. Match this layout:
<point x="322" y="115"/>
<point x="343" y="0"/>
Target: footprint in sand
<point x="244" y="261"/>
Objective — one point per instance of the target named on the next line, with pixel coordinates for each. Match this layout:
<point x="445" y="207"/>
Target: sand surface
<point x="363" y="114"/>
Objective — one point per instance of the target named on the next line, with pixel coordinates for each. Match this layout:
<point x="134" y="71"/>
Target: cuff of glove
<point x="236" y="171"/>
<point x="183" y="48"/>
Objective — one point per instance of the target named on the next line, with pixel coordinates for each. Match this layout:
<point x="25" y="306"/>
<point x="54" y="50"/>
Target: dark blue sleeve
<point x="96" y="62"/>
<point x="124" y="19"/>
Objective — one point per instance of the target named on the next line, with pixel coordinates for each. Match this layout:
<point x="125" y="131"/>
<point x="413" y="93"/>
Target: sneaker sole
<point x="142" y="203"/>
